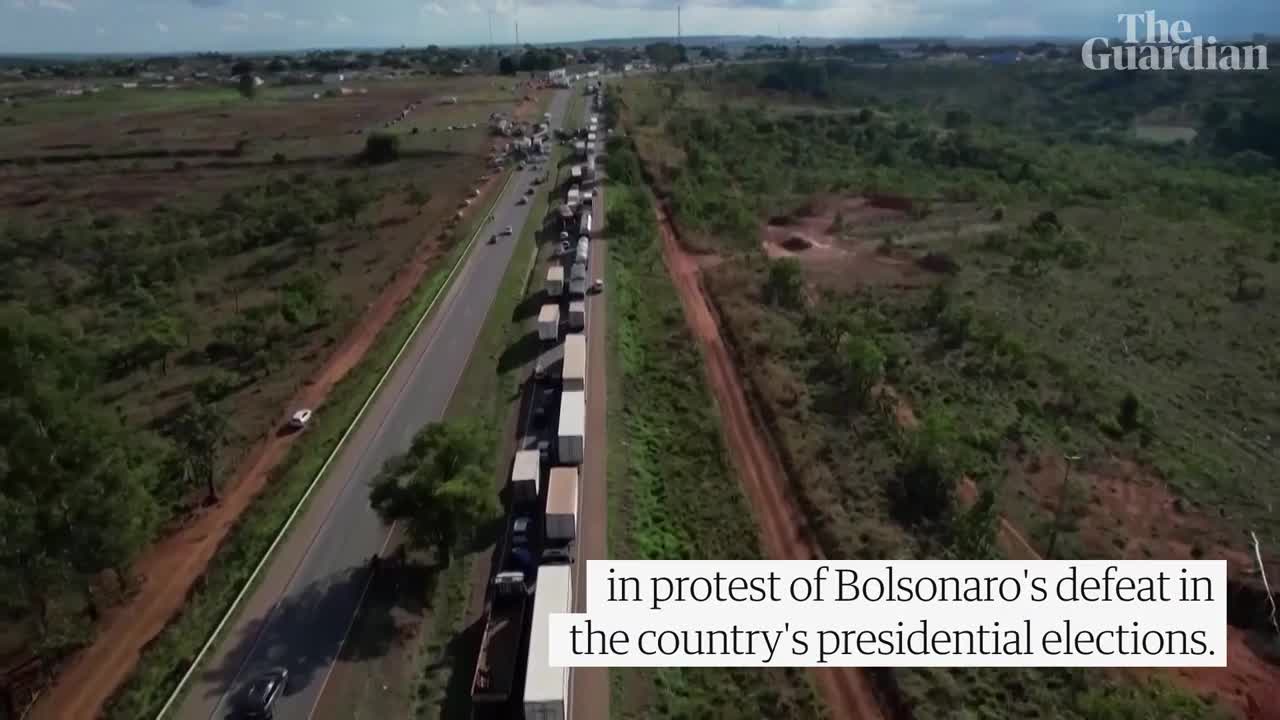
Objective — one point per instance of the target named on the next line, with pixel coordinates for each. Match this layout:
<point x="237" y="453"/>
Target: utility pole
<point x="490" y="28"/>
<point x="517" y="33"/>
<point x="679" y="30"/>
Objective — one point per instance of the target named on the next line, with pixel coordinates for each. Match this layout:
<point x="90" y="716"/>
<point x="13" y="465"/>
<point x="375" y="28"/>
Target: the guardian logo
<point x="1167" y="46"/>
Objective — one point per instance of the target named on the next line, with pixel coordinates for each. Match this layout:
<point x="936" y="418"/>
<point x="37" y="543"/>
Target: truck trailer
<point x="577" y="315"/>
<point x="571" y="436"/>
<point x="555" y="281"/>
<point x="573" y="373"/>
<point x="525" y="472"/>
<point x="546" y="688"/>
<point x="578" y="281"/>
<point x="549" y="321"/>
<point x="560" y="526"/>
<point x="500" y="647"/>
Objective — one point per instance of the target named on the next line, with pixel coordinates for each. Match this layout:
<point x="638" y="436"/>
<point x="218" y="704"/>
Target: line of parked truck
<point x="551" y="507"/>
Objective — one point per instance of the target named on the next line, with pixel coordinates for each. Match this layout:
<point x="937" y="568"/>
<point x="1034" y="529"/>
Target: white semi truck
<point x="546" y="688"/>
<point x="571" y="435"/>
<point x="549" y="322"/>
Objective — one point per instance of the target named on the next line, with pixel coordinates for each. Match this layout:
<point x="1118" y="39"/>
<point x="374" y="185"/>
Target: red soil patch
<point x="784" y="532"/>
<point x="1130" y="512"/>
<point x="169" y="569"/>
<point x="836" y="261"/>
<point x="1128" y="503"/>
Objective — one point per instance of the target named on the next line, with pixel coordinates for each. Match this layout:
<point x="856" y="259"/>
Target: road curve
<point x="299" y="613"/>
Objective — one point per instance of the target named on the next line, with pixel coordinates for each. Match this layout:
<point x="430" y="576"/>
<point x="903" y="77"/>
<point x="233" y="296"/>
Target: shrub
<point x="382" y="148"/>
<point x="278" y="158"/>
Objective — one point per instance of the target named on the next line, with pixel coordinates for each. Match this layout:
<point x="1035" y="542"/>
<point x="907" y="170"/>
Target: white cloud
<point x="162" y="27"/>
<point x="504" y="7"/>
<point x="19" y="4"/>
<point x="302" y="23"/>
<point x="238" y="17"/>
<point x="273" y="15"/>
<point x="338" y="21"/>
<point x="101" y="31"/>
<point x="473" y="7"/>
<point x="434" y="8"/>
<point x="59" y="5"/>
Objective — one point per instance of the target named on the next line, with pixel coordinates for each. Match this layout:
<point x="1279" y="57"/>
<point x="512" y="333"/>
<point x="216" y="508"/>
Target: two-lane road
<point x="298" y="615"/>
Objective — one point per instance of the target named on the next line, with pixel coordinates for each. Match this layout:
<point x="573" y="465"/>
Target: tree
<point x="440" y="489"/>
<point x="247" y="85"/>
<point x="242" y="67"/>
<point x="863" y="364"/>
<point x="663" y="54"/>
<point x="785" y="283"/>
<point x="74" y="485"/>
<point x="199" y="432"/>
<point x="507" y="66"/>
<point x="382" y="148"/>
<point x="924" y="489"/>
<point x="956" y="119"/>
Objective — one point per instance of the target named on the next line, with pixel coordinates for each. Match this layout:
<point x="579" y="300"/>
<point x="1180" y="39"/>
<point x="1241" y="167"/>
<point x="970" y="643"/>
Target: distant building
<point x="1005" y="58"/>
<point x="332" y="78"/>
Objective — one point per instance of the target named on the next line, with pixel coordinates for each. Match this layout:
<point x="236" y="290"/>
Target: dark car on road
<point x="257" y="700"/>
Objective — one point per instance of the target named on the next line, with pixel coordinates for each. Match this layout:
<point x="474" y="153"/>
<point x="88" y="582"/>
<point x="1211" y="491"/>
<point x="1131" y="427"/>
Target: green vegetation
<point x="166" y="658"/>
<point x="94" y="309"/>
<point x="439" y="489"/>
<point x="675" y="497"/>
<point x="1001" y="281"/>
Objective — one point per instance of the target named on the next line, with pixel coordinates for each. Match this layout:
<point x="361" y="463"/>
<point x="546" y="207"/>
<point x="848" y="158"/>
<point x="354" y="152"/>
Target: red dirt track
<point x="783" y="530"/>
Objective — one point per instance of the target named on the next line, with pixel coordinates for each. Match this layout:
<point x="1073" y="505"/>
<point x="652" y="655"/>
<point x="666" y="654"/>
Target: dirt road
<point x="783" y="530"/>
<point x="168" y="569"/>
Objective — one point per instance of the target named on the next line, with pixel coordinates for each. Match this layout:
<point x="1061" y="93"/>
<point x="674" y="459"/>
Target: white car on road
<point x="300" y="419"/>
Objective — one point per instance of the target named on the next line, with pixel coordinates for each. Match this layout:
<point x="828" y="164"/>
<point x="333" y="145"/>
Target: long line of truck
<point x="534" y="579"/>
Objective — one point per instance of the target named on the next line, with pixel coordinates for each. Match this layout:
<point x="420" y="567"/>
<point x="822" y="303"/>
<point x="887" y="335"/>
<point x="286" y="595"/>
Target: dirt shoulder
<point x="783" y="530"/>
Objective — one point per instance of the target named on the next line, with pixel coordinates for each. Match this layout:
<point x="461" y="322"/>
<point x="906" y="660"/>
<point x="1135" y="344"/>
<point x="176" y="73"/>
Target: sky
<point x="147" y="26"/>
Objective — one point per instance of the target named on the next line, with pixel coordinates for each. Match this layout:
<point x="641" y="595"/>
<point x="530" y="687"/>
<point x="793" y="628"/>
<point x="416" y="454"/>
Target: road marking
<point x="235" y="604"/>
<point x="359" y="604"/>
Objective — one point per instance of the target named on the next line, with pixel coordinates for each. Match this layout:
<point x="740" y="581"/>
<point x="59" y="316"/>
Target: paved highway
<point x="298" y="615"/>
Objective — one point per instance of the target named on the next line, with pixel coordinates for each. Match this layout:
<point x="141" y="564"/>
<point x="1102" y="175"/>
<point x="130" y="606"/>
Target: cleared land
<point x="932" y="308"/>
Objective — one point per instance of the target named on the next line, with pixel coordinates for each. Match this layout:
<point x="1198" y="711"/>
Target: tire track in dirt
<point x="784" y="531"/>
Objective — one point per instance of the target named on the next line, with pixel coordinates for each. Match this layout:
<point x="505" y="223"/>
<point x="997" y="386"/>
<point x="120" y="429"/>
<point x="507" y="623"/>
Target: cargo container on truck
<point x="546" y="688"/>
<point x="577" y="315"/>
<point x="578" y="281"/>
<point x="585" y="225"/>
<point x="549" y="322"/>
<point x="576" y="172"/>
<point x="555" y="281"/>
<point x="580" y="253"/>
<point x="573" y="370"/>
<point x="500" y="647"/>
<point x="525" y="472"/>
<point x="571" y="198"/>
<point x="571" y="438"/>
<point x="560" y="526"/>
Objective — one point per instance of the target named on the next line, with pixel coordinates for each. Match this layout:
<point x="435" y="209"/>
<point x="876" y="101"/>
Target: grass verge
<point x="167" y="657"/>
<point x="674" y="496"/>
